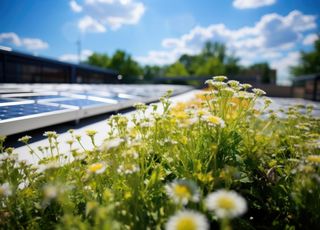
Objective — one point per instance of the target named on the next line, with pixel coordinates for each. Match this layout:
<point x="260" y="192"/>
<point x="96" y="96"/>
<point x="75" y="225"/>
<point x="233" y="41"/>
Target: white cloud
<point x="74" y="57"/>
<point x="159" y="57"/>
<point x="12" y="38"/>
<point x="91" y="25"/>
<point x="249" y="4"/>
<point x="75" y="7"/>
<point x="282" y="65"/>
<point x="267" y="40"/>
<point x="28" y="43"/>
<point x="108" y="13"/>
<point x="310" y="39"/>
<point x="272" y="31"/>
<point x="34" y="44"/>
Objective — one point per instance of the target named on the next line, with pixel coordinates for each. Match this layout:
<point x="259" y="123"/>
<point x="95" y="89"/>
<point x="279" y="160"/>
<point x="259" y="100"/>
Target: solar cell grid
<point x="74" y="101"/>
<point x="3" y="100"/>
<point x="79" y="102"/>
<point x="110" y="96"/>
<point x="40" y="97"/>
<point x="13" y="111"/>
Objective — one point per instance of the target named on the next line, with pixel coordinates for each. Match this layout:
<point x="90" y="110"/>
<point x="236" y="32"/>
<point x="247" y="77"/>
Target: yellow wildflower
<point x="97" y="168"/>
<point x="314" y="158"/>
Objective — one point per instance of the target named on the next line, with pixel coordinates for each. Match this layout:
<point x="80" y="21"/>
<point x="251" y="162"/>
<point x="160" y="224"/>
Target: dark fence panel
<point x="307" y="86"/>
<point x="23" y="68"/>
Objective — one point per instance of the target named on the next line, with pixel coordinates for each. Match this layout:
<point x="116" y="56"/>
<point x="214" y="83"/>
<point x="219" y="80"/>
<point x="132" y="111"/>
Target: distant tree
<point x="176" y="70"/>
<point x="232" y="66"/>
<point x="127" y="67"/>
<point x="263" y="69"/>
<point x="213" y="59"/>
<point x="118" y="60"/>
<point x="212" y="66"/>
<point x="188" y="61"/>
<point x="100" y="60"/>
<point x="151" y="72"/>
<point x="214" y="49"/>
<point x="309" y="61"/>
<point x="121" y="62"/>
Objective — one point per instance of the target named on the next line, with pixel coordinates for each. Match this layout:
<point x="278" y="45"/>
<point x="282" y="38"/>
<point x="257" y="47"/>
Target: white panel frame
<point x="74" y="113"/>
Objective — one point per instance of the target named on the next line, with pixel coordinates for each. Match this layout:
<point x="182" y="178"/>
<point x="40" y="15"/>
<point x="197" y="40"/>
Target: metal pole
<point x="79" y="50"/>
<point x="314" y="96"/>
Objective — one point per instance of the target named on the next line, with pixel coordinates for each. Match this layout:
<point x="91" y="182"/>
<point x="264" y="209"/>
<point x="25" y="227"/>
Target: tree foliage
<point x="177" y="69"/>
<point x="101" y="60"/>
<point x="121" y="62"/>
<point x="214" y="59"/>
<point x="263" y="69"/>
<point x="151" y="72"/>
<point x="309" y="62"/>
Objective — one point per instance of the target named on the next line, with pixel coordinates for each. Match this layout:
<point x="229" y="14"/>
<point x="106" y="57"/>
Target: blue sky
<point x="159" y="31"/>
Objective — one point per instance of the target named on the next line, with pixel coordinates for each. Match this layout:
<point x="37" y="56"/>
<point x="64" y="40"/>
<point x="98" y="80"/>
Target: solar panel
<point x="111" y="96"/>
<point x="79" y="102"/>
<point x="28" y="106"/>
<point x="13" y="111"/>
<point x="40" y="97"/>
<point x="3" y="100"/>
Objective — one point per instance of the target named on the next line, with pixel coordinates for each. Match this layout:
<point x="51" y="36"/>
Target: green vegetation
<point x="120" y="61"/>
<point x="212" y="60"/>
<point x="221" y="160"/>
<point x="309" y="62"/>
<point x="176" y="70"/>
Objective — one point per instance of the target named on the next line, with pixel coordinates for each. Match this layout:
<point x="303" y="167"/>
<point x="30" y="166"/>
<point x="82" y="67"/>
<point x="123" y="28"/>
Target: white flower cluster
<point x="128" y="169"/>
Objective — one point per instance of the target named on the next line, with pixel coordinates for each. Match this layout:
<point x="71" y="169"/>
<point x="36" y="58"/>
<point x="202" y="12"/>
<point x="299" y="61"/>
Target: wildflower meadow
<point x="223" y="160"/>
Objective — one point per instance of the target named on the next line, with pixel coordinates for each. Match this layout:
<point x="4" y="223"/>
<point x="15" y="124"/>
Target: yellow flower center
<point x="214" y="120"/>
<point x="186" y="223"/>
<point x="226" y="203"/>
<point x="314" y="158"/>
<point x="182" y="191"/>
<point x="201" y="112"/>
<point x="181" y="115"/>
<point x="91" y="133"/>
<point x="95" y="167"/>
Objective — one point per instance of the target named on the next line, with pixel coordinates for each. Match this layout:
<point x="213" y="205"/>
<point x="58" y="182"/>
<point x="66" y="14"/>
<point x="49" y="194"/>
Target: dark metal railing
<point x="199" y="81"/>
<point x="310" y="84"/>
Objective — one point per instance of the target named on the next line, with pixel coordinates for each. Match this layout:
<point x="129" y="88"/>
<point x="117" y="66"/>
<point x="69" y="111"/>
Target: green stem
<point x="225" y="224"/>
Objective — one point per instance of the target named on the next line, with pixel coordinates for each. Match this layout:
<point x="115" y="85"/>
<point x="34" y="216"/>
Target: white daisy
<point x="97" y="168"/>
<point x="183" y="191"/>
<point x="50" y="192"/>
<point x="233" y="83"/>
<point x="227" y="92"/>
<point x="5" y="190"/>
<point x="187" y="220"/>
<point x="112" y="143"/>
<point x="214" y="121"/>
<point x="258" y="92"/>
<point x="244" y="95"/>
<point x="246" y="86"/>
<point x="128" y="168"/>
<point x="220" y="78"/>
<point x="226" y="204"/>
<point x="50" y="165"/>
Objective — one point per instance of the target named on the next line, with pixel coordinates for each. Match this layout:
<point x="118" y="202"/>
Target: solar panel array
<point x="29" y="106"/>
